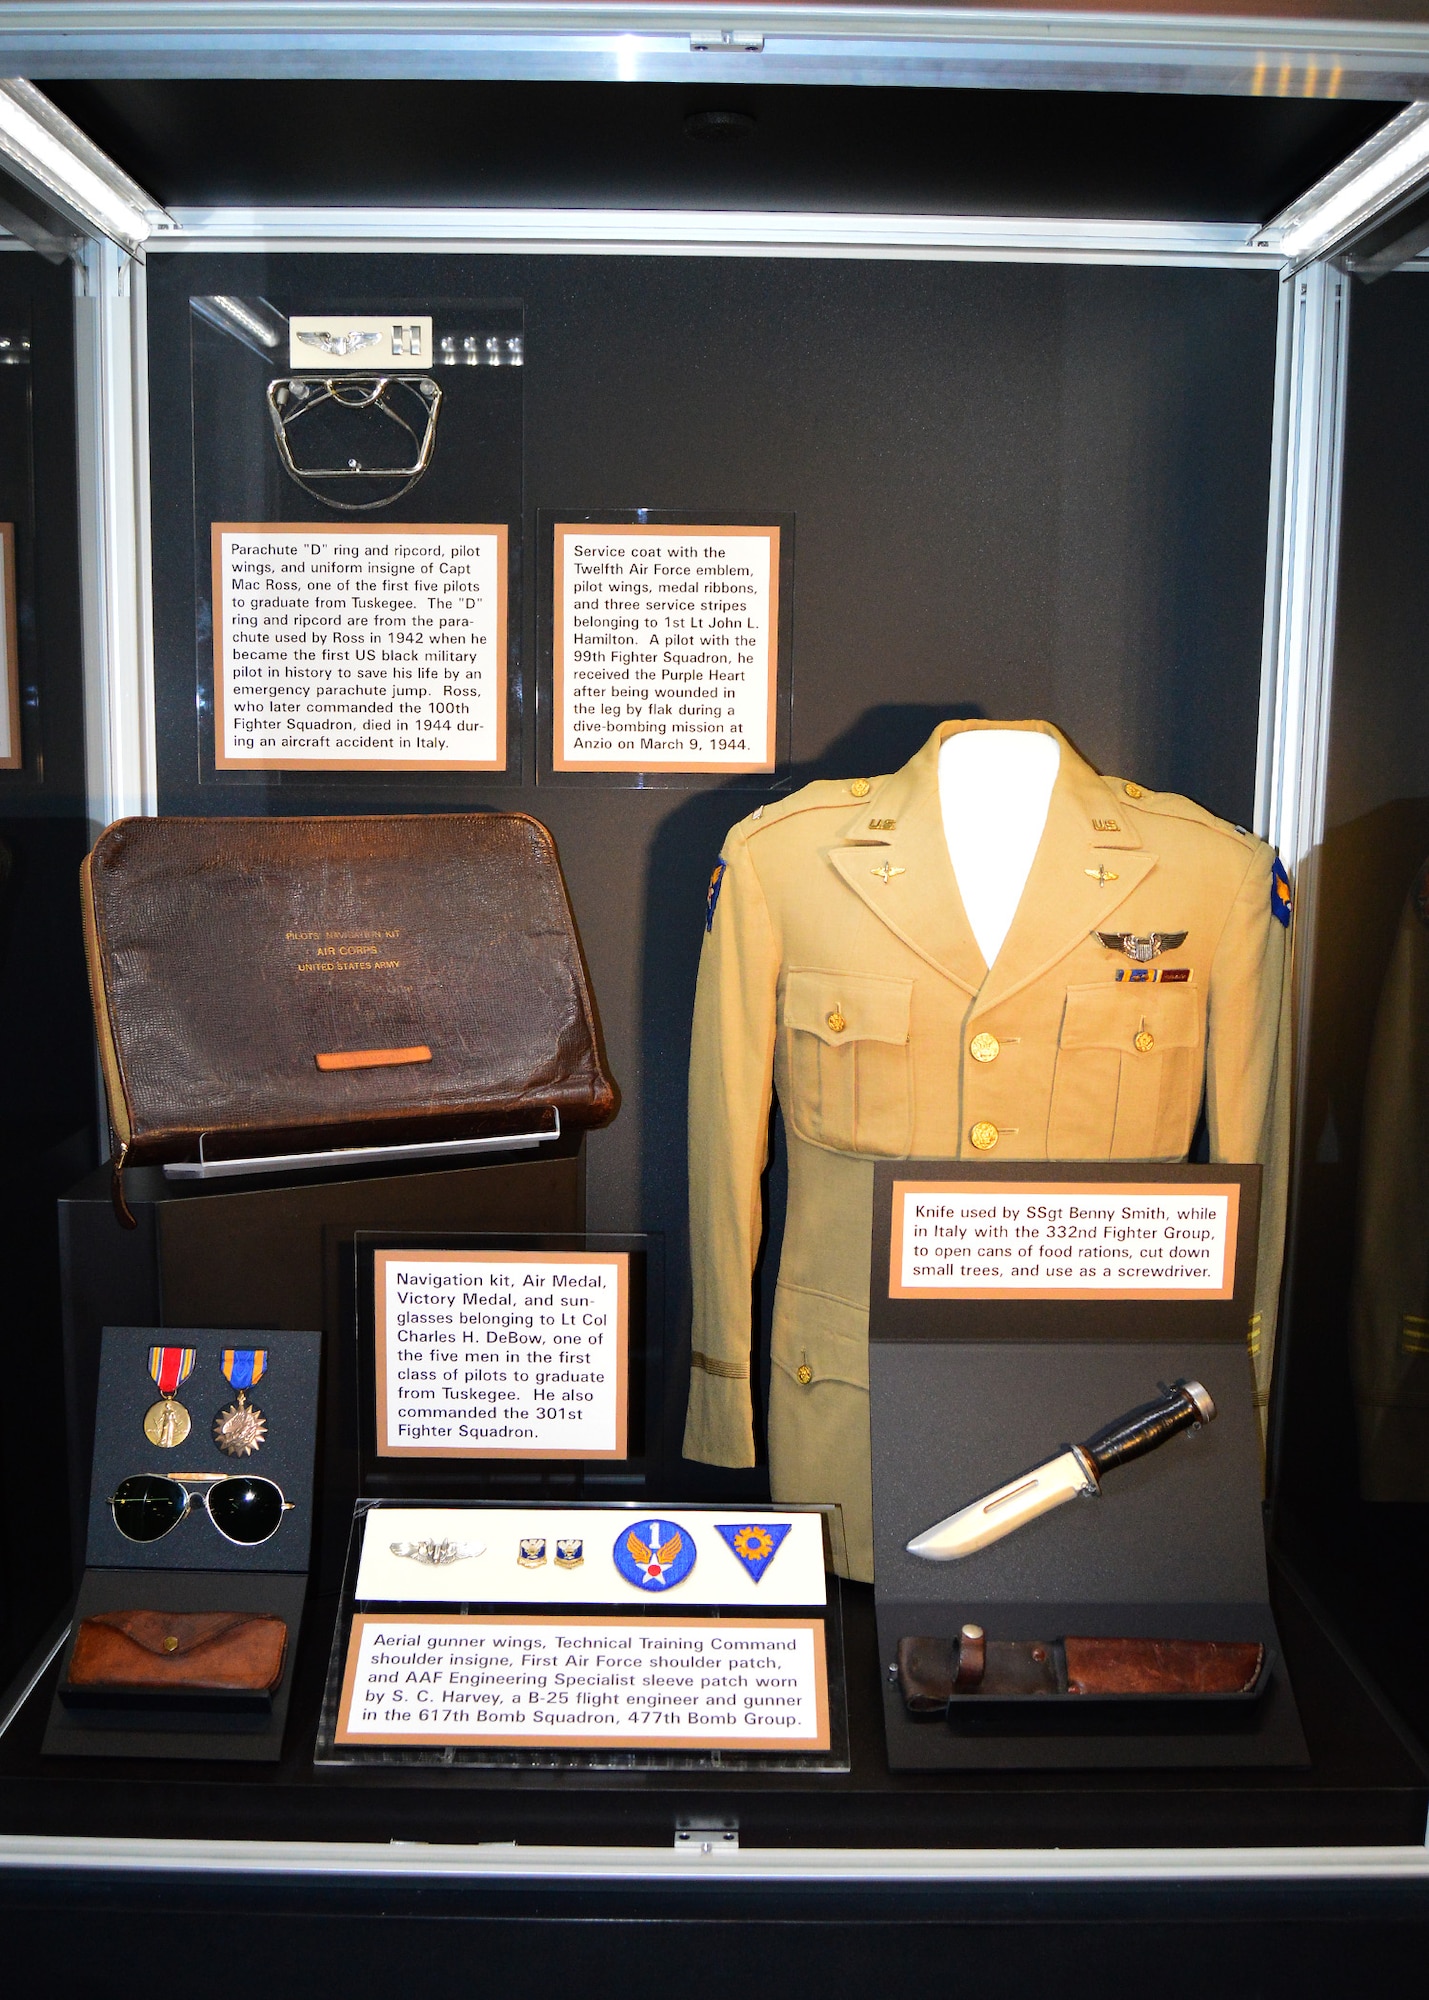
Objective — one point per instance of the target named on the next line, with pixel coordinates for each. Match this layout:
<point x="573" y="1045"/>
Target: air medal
<point x="239" y="1430"/>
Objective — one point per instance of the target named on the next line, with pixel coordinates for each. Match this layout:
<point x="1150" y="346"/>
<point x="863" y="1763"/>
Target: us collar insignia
<point x="655" y="1555"/>
<point x="1281" y="900"/>
<point x="755" y="1543"/>
<point x="712" y="893"/>
<point x="1142" y="949"/>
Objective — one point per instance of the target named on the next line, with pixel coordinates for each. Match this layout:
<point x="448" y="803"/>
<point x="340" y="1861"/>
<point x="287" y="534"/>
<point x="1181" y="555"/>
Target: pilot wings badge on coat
<point x="655" y="1555"/>
<point x="1142" y="949"/>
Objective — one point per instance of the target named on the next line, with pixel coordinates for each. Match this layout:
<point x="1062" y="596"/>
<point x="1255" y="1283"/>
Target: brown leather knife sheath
<point x="934" y="1673"/>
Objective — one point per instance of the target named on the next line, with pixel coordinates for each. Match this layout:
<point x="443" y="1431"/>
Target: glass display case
<point x="741" y="495"/>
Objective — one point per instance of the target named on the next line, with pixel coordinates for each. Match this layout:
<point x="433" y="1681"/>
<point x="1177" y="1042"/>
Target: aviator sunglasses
<point x="244" y="1509"/>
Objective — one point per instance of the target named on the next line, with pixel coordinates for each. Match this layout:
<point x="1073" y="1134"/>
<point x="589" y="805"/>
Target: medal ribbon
<point x="170" y="1366"/>
<point x="244" y="1366"/>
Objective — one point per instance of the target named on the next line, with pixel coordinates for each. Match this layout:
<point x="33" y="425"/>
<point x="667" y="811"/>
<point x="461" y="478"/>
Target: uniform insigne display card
<point x="577" y="1636"/>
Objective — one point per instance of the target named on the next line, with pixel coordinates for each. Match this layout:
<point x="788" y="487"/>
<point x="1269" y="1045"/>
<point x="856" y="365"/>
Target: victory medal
<point x="166" y="1423"/>
<point x="241" y="1428"/>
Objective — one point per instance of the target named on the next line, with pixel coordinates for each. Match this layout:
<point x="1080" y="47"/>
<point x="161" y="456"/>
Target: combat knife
<point x="1077" y="1470"/>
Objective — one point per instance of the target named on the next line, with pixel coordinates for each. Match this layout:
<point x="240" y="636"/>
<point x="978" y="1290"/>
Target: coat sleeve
<point x="1248" y="1076"/>
<point x="731" y="1082"/>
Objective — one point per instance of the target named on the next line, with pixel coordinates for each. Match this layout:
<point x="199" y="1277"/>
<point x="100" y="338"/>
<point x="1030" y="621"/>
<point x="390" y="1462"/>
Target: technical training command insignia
<point x="1281" y="900"/>
<point x="755" y="1543"/>
<point x="654" y="1555"/>
<point x="712" y="893"/>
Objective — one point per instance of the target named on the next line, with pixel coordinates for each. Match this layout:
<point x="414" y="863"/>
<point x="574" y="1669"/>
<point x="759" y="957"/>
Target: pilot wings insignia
<point x="655" y="1555"/>
<point x="1142" y="949"/>
<point x="339" y="344"/>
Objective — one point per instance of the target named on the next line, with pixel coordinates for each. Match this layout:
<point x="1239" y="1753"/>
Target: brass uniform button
<point x="860" y="788"/>
<point x="837" y="1022"/>
<point x="984" y="1048"/>
<point x="984" y="1135"/>
<point x="1134" y="791"/>
<point x="171" y="1644"/>
<point x="804" y="1374"/>
<point x="1146" y="1041"/>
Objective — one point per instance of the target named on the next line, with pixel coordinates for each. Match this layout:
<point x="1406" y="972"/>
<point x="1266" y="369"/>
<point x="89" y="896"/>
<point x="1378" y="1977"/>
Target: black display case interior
<point x="1017" y="489"/>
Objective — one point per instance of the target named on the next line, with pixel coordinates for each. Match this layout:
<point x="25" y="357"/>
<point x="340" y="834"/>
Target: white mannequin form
<point x="995" y="786"/>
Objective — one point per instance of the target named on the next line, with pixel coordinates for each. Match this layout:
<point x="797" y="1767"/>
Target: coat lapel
<point x="905" y="876"/>
<point x="1080" y="876"/>
<point x="1084" y="869"/>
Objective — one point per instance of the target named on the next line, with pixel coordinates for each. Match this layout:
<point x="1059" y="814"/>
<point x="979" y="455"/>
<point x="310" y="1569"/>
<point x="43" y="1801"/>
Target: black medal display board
<point x="194" y="1568"/>
<point x="968" y="1395"/>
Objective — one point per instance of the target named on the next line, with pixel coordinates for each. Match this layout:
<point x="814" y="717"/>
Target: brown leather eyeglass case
<point x="178" y="1654"/>
<point x="271" y="986"/>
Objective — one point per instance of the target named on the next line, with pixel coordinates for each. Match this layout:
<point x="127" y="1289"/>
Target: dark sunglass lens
<point x="246" y="1510"/>
<point x="146" y="1507"/>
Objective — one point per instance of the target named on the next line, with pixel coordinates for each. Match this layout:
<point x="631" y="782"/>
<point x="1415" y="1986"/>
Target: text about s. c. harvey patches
<point x="359" y="648"/>
<point x="506" y="1356"/>
<point x="995" y="1239"/>
<point x="586" y="1682"/>
<point x="666" y="648"/>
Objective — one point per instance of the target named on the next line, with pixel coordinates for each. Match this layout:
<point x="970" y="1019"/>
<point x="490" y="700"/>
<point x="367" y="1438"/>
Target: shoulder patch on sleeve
<point x="712" y="893"/>
<point x="1281" y="899"/>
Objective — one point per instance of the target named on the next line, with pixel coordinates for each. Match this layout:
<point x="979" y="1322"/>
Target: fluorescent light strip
<point x="1371" y="180"/>
<point x="58" y="160"/>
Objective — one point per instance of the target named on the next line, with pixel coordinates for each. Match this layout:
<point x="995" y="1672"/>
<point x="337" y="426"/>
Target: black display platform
<point x="271" y="1253"/>
<point x="1365" y="1784"/>
<point x="193" y="1730"/>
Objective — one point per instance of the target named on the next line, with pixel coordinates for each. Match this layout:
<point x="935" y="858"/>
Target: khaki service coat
<point x="839" y="969"/>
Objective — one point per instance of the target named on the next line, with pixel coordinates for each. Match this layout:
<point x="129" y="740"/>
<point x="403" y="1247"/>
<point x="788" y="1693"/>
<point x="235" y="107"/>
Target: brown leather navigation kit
<point x="170" y="1652"/>
<point x="265" y="987"/>
<point x="934" y="1675"/>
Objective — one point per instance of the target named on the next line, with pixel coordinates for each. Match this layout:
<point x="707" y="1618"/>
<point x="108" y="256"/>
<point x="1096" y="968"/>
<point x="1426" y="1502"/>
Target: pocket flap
<point x="843" y="1007"/>
<point x="168" y="1633"/>
<point x="1111" y="1017"/>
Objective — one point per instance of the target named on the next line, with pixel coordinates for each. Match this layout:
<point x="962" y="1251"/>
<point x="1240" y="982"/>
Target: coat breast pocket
<point x="847" y="1079"/>
<point x="1130" y="1063"/>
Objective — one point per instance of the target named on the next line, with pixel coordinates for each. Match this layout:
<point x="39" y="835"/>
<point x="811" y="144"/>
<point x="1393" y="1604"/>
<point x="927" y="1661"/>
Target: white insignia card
<point x="509" y="1355"/>
<point x="323" y="343"/>
<point x="591" y="1555"/>
<point x="1063" y="1240"/>
<point x="359" y="648"/>
<point x="666" y="648"/>
<point x="10" y="748"/>
<point x="675" y="1683"/>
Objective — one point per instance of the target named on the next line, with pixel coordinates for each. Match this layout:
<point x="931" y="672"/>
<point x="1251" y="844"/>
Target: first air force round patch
<point x="654" y="1555"/>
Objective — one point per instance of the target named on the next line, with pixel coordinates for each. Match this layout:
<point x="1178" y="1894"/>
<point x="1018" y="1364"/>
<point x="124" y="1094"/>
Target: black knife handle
<point x="1184" y="1405"/>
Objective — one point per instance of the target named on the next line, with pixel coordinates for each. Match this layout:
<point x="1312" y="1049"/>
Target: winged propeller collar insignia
<point x="1142" y="949"/>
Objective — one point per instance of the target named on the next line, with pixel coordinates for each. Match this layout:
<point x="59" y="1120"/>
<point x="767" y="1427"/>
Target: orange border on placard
<point x="10" y="626"/>
<point x="715" y="762"/>
<point x="619" y="1258"/>
<point x="1090" y="1190"/>
<point x="218" y="529"/>
<point x="442" y="1733"/>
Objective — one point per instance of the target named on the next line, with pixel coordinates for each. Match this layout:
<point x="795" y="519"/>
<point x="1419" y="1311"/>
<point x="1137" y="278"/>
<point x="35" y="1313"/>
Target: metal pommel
<point x="1200" y="1396"/>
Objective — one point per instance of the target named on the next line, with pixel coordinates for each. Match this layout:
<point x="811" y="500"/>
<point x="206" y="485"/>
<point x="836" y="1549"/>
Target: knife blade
<point x="1075" y="1471"/>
